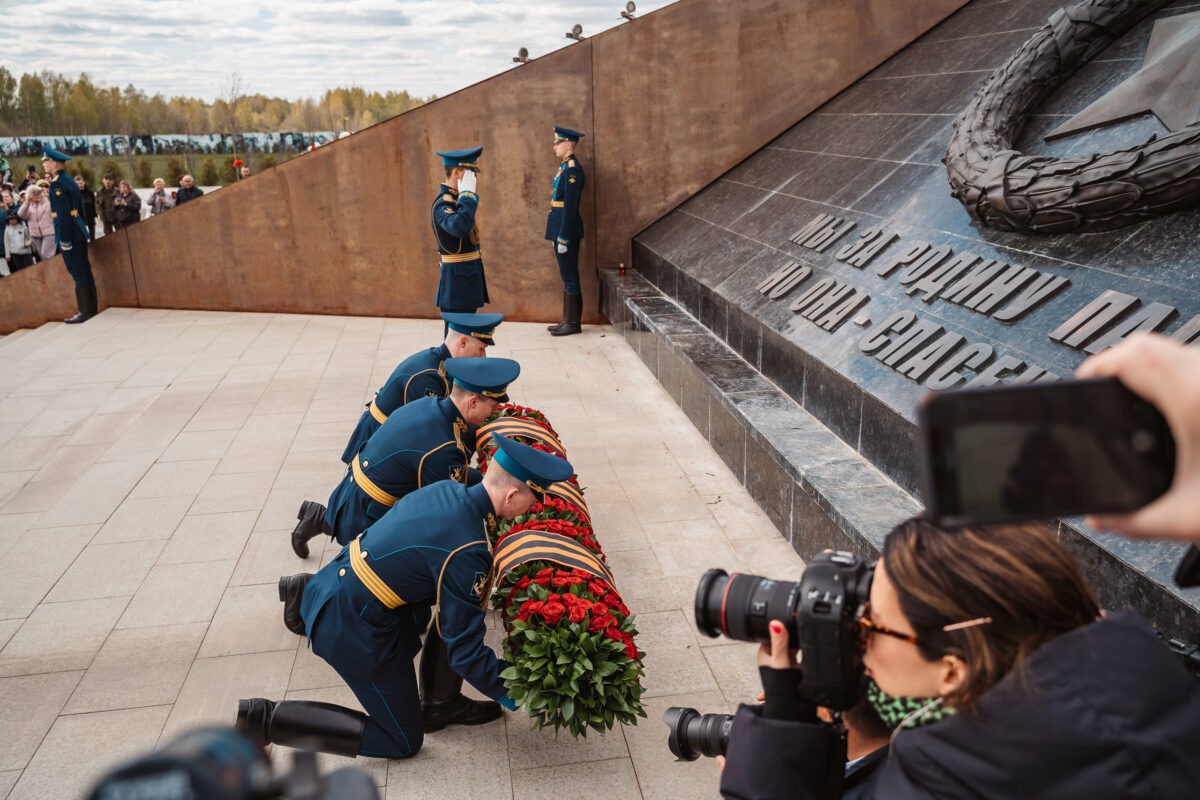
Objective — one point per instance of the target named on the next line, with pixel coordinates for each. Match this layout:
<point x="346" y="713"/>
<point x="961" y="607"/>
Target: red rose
<point x="614" y="634"/>
<point x="531" y="607"/>
<point x="599" y="608"/>
<point x="542" y="581"/>
<point x="522" y="617"/>
<point x="601" y="622"/>
<point x="578" y="613"/>
<point x="553" y="612"/>
<point x="545" y="573"/>
<point x="598" y="588"/>
<point x="631" y="650"/>
<point x="523" y="583"/>
<point x="560" y="583"/>
<point x="554" y="597"/>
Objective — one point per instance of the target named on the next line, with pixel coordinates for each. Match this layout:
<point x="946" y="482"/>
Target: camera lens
<point x="693" y="735"/>
<point x="741" y="606"/>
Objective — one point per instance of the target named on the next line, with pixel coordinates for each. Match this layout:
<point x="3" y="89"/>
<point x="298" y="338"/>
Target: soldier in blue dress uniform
<point x="461" y="282"/>
<point x="70" y="233"/>
<point x="364" y="613"/>
<point x="422" y="375"/>
<point x="418" y="445"/>
<point x="564" y="227"/>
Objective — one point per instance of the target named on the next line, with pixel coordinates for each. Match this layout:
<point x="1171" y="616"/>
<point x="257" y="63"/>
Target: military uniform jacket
<point x="419" y="375"/>
<point x="462" y="284"/>
<point x="432" y="551"/>
<point x="420" y="444"/>
<point x="66" y="210"/>
<point x="565" y="225"/>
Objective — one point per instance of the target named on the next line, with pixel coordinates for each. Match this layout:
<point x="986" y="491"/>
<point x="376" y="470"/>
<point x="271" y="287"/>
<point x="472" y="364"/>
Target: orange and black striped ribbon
<point x="519" y="427"/>
<point x="533" y="545"/>
<point x="565" y="490"/>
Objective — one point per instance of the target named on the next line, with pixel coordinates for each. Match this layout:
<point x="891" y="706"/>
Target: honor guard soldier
<point x="70" y="233"/>
<point x="422" y="374"/>
<point x="364" y="613"/>
<point x="418" y="445"/>
<point x="564" y="227"/>
<point x="461" y="283"/>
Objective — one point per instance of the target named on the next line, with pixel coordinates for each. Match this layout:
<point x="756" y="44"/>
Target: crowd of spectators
<point x="28" y="226"/>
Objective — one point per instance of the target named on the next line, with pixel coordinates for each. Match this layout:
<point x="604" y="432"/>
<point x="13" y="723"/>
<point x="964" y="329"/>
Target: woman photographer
<point x="1018" y="689"/>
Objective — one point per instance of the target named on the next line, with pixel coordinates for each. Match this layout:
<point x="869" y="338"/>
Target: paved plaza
<point x="151" y="465"/>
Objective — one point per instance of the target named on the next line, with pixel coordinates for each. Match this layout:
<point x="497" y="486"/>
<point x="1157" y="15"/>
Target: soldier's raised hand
<point x="467" y="182"/>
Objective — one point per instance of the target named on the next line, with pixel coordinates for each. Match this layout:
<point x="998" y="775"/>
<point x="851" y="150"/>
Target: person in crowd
<point x="421" y="443"/>
<point x="7" y="201"/>
<point x="70" y="233"/>
<point x="423" y="375"/>
<point x="1025" y="689"/>
<point x="30" y="179"/>
<point x="36" y="212"/>
<point x="1167" y="374"/>
<point x="18" y="244"/>
<point x="243" y="172"/>
<point x="462" y="285"/>
<point x="188" y="190"/>
<point x="364" y="612"/>
<point x="160" y="201"/>
<point x="88" y="200"/>
<point x="564" y="227"/>
<point x="5" y="171"/>
<point x="127" y="206"/>
<point x="106" y="204"/>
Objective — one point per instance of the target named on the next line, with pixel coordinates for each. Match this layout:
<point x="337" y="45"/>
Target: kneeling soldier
<point x="422" y="374"/>
<point x="418" y="445"/>
<point x="365" y="610"/>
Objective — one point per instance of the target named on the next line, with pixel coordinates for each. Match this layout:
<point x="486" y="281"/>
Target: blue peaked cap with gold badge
<point x="480" y="326"/>
<point x="461" y="158"/>
<point x="54" y="155"/>
<point x="536" y="469"/>
<point x="489" y="377"/>
<point x="562" y="134"/>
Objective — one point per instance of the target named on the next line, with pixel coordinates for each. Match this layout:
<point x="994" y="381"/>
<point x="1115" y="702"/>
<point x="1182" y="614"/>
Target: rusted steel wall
<point x="670" y="102"/>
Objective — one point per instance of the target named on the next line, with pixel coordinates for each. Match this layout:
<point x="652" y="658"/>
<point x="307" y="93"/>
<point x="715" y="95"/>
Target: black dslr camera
<point x="224" y="764"/>
<point x="821" y="615"/>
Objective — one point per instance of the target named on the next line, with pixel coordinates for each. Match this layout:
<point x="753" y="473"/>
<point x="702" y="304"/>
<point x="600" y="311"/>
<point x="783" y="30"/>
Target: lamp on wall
<point x="522" y="56"/>
<point x="630" y="7"/>
<point x="576" y="33"/>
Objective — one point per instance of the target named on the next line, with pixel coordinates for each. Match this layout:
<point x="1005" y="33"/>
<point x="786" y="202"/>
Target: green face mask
<point x="905" y="712"/>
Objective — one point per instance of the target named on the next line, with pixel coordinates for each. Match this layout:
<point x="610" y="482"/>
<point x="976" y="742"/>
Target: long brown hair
<point x="1018" y="575"/>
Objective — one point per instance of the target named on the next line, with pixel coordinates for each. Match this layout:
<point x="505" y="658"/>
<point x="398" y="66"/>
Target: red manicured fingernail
<point x="776" y="627"/>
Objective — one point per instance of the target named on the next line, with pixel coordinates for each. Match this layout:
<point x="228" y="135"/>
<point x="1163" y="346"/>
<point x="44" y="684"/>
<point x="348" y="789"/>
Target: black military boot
<point x="574" y="313"/>
<point x="85" y="301"/>
<point x="442" y="700"/>
<point x="291" y="593"/>
<point x="304" y="724"/>
<point x="312" y="523"/>
<point x="563" y="321"/>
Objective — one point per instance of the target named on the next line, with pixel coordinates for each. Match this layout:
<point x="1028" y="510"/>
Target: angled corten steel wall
<point x="670" y="101"/>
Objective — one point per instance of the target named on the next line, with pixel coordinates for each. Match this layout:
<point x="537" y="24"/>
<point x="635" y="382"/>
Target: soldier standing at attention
<point x="564" y="227"/>
<point x="70" y="233"/>
<point x="421" y="443"/>
<point x="462" y="286"/>
<point x="364" y="613"/>
<point x="422" y="373"/>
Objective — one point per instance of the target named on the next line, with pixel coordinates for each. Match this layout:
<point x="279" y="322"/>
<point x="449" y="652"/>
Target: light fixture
<point x="522" y="56"/>
<point x="630" y="7"/>
<point x="576" y="33"/>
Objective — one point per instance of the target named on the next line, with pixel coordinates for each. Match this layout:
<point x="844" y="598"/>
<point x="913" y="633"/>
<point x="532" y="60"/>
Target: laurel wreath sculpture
<point x="1007" y="190"/>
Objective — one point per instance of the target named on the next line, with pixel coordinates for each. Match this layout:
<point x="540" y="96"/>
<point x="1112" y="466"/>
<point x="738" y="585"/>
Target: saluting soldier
<point x="365" y="610"/>
<point x="70" y="233"/>
<point x="422" y="374"/>
<point x="564" y="227"/>
<point x="461" y="283"/>
<point x="418" y="445"/>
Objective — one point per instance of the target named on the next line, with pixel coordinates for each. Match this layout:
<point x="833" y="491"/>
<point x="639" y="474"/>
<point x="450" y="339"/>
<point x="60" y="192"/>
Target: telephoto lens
<point x="693" y="735"/>
<point x="742" y="606"/>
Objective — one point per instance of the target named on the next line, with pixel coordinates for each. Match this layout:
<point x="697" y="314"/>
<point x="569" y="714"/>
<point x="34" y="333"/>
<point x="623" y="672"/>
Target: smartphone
<point x="1014" y="453"/>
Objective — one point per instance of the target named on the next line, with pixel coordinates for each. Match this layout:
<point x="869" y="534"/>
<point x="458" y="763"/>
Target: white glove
<point x="562" y="248"/>
<point x="467" y="182"/>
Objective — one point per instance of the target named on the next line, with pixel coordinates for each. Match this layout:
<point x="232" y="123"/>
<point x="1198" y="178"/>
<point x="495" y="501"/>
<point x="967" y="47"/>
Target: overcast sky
<point x="297" y="48"/>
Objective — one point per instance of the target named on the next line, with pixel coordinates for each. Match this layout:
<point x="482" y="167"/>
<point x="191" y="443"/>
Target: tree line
<point x="49" y="103"/>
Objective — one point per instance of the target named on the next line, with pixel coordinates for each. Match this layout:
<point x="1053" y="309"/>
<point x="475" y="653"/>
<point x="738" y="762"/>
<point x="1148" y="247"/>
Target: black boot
<point x="574" y="313"/>
<point x="304" y="724"/>
<point x="291" y="593"/>
<point x="442" y="700"/>
<point x="563" y="321"/>
<point x="85" y="300"/>
<point x="312" y="523"/>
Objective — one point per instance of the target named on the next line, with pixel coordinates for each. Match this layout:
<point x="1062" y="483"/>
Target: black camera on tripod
<point x="224" y="764"/>
<point x="821" y="614"/>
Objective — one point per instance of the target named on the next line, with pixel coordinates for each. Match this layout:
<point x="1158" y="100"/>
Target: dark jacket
<point x="1104" y="711"/>
<point x="564" y="223"/>
<point x="104" y="204"/>
<point x="88" y="200"/>
<point x="184" y="194"/>
<point x="129" y="213"/>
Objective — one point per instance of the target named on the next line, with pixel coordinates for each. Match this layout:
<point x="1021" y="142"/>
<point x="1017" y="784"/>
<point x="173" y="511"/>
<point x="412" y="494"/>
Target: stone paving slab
<point x="151" y="464"/>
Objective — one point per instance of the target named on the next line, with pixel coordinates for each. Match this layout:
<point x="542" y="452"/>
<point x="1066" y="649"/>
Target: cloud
<point x="302" y="48"/>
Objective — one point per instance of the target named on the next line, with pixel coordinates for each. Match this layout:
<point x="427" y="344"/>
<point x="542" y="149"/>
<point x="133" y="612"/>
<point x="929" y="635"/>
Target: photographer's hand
<point x="1168" y="375"/>
<point x="777" y="655"/>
